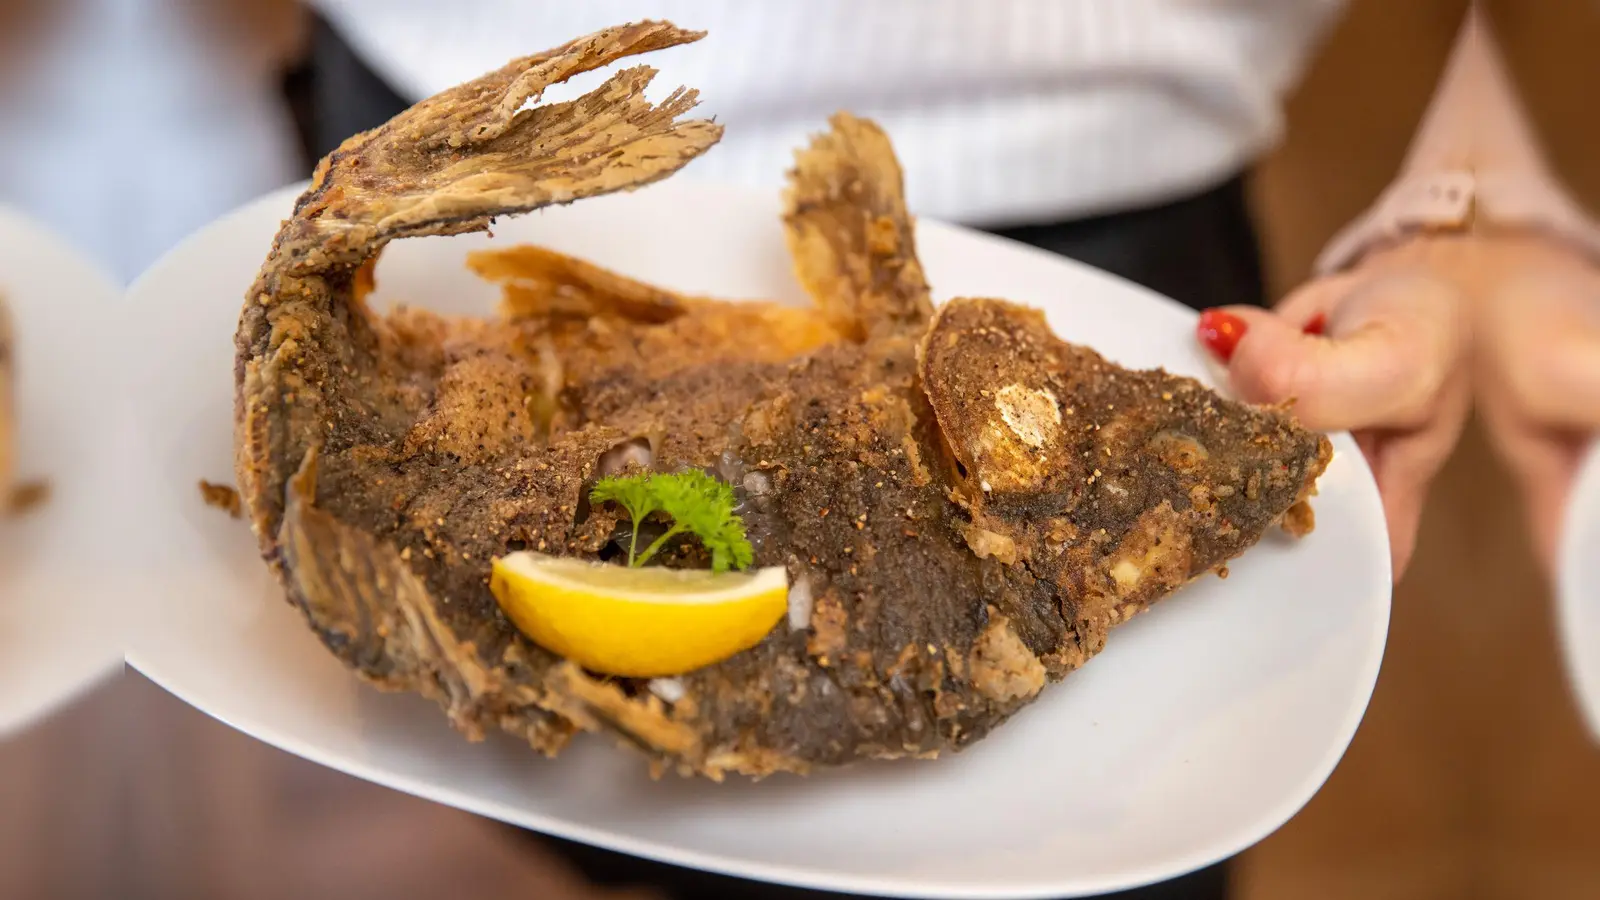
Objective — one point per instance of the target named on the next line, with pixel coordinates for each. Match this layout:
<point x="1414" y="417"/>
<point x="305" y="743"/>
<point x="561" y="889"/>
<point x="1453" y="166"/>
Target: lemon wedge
<point x="641" y="623"/>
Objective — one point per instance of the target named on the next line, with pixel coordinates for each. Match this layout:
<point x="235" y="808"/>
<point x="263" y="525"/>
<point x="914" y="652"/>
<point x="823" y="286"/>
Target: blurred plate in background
<point x="58" y="587"/>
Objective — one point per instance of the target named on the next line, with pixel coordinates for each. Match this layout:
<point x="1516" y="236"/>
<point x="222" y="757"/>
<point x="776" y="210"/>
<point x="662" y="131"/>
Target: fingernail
<point x="1317" y="325"/>
<point x="1220" y="332"/>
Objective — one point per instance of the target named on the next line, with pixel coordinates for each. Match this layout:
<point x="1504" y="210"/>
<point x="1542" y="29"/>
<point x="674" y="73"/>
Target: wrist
<point x="1440" y="201"/>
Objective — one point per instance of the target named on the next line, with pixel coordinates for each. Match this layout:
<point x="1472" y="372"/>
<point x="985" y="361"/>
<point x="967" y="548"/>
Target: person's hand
<point x="1537" y="370"/>
<point x="1380" y="351"/>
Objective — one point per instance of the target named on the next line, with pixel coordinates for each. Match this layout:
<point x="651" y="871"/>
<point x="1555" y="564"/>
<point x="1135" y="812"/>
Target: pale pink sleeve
<point x="1535" y="203"/>
<point x="1474" y="165"/>
<point x="1440" y="201"/>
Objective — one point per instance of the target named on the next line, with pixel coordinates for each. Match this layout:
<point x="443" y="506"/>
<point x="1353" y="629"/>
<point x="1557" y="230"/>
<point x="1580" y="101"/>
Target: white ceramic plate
<point x="57" y="632"/>
<point x="1578" y="589"/>
<point x="1202" y="728"/>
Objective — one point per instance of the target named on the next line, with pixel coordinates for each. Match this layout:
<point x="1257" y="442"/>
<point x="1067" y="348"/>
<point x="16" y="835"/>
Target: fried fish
<point x="965" y="504"/>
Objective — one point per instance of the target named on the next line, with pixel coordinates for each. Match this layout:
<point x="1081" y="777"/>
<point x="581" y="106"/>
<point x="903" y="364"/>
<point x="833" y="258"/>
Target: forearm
<point x="1475" y="165"/>
<point x="1475" y="122"/>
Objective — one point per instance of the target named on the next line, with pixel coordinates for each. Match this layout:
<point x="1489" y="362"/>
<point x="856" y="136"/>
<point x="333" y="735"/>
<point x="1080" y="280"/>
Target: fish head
<point x="1037" y="428"/>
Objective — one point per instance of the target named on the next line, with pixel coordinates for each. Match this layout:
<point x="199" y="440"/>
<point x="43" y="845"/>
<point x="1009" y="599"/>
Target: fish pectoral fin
<point x="995" y="377"/>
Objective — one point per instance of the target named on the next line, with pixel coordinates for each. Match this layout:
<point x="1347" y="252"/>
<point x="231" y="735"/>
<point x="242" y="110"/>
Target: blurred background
<point x="1470" y="777"/>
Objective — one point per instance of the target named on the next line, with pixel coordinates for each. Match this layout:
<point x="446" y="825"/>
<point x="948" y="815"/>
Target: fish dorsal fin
<point x="850" y="235"/>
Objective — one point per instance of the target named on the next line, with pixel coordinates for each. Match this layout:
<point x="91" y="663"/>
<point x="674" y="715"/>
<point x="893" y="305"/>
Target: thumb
<point x="1389" y="350"/>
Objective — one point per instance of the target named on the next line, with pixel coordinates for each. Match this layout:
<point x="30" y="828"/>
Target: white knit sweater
<point x="1003" y="111"/>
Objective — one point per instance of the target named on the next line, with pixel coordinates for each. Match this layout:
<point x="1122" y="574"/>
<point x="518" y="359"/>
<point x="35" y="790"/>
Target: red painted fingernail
<point x="1317" y="325"/>
<point x="1220" y="331"/>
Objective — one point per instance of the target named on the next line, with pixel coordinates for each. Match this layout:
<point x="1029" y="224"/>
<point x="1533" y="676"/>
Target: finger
<point x="1547" y="511"/>
<point x="1383" y="364"/>
<point x="1544" y="470"/>
<point x="1405" y="466"/>
<point x="1402" y="510"/>
<point x="1543" y="462"/>
<point x="1309" y="307"/>
<point x="1546" y="338"/>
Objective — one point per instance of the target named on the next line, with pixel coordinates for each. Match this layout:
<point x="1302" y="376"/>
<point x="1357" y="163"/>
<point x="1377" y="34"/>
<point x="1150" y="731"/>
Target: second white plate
<point x="59" y="589"/>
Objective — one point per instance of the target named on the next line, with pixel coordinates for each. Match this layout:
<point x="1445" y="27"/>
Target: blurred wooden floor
<point x="1469" y="778"/>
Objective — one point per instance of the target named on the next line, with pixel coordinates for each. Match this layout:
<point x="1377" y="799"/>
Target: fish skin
<point x="385" y="460"/>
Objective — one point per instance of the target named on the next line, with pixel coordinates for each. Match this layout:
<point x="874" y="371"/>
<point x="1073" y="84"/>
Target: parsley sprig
<point x="696" y="502"/>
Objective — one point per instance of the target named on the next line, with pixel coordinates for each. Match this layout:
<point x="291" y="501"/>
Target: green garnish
<point x="696" y="502"/>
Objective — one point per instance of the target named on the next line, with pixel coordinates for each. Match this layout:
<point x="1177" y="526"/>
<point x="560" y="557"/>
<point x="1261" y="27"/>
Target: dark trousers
<point x="1201" y="251"/>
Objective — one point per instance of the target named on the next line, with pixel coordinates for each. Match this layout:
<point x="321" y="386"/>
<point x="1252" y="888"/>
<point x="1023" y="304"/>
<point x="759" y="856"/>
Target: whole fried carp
<point x="965" y="504"/>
